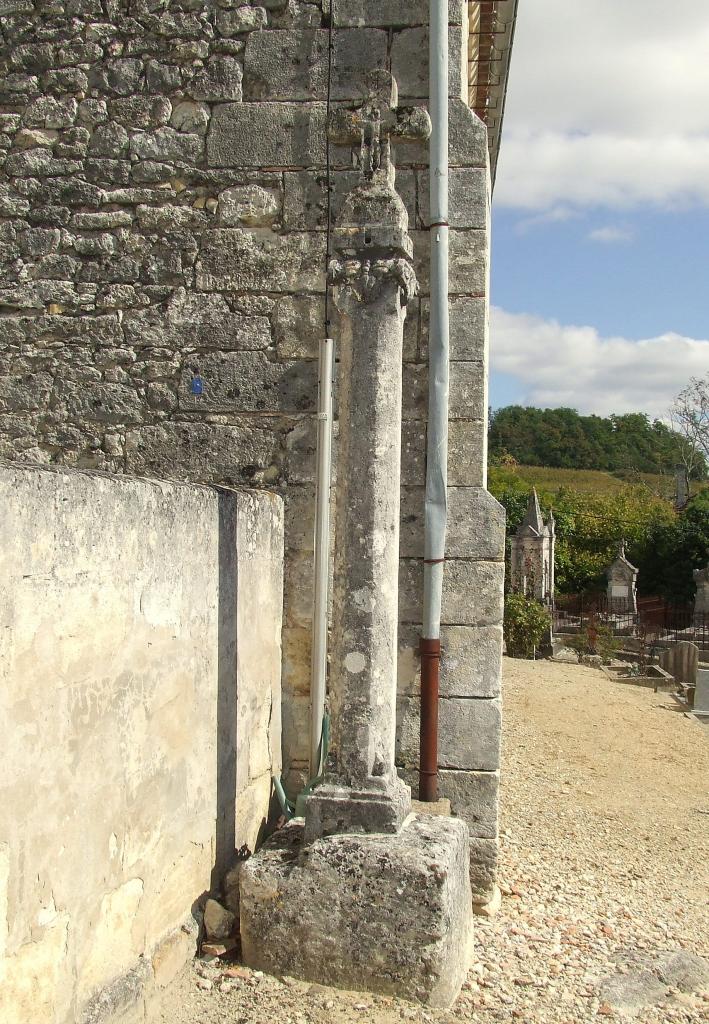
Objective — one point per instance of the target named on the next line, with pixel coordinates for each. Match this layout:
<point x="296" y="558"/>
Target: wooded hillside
<point x="564" y="439"/>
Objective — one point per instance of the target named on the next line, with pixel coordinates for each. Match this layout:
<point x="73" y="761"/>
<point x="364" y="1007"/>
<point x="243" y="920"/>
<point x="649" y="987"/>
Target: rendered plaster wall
<point x="163" y="215"/>
<point x="140" y="700"/>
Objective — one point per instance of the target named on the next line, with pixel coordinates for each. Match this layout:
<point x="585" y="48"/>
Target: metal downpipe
<point x="318" y="666"/>
<point x="436" y="501"/>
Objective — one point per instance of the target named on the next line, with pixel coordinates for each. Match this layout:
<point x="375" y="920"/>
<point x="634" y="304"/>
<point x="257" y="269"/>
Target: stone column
<point x="373" y="278"/>
<point x="366" y="895"/>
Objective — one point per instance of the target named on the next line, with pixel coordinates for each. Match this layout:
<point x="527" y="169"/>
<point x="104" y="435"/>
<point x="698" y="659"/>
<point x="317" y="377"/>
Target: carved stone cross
<point x="373" y="277"/>
<point x="376" y="122"/>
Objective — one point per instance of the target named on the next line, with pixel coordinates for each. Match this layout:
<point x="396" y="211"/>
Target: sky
<point x="600" y="268"/>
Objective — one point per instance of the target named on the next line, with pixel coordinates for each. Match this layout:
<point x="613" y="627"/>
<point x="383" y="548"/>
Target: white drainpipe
<point x="318" y="668"/>
<point x="436" y="502"/>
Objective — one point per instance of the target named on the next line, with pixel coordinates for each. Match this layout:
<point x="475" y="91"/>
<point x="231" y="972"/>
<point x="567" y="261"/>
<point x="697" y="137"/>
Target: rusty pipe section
<point x="428" y="768"/>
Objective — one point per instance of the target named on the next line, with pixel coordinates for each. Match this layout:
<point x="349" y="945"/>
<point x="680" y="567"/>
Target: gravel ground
<point x="604" y="875"/>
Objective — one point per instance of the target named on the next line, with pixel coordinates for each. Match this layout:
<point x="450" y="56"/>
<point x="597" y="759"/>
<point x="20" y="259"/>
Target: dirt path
<point x="604" y="873"/>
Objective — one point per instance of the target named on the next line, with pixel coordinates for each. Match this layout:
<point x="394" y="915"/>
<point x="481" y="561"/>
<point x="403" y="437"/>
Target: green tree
<point x="526" y="625"/>
<point x="672" y="551"/>
<point x="562" y="438"/>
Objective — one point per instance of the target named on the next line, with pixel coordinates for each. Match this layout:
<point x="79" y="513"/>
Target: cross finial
<point x="375" y="122"/>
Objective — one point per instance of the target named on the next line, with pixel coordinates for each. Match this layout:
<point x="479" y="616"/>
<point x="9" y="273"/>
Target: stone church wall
<point x="140" y="657"/>
<point x="163" y="232"/>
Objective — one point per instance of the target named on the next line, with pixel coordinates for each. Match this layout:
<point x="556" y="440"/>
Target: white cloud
<point x="607" y="105"/>
<point x="565" y="365"/>
<point x="611" y="234"/>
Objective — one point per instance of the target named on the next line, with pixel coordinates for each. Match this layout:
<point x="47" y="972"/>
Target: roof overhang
<point x="491" y="28"/>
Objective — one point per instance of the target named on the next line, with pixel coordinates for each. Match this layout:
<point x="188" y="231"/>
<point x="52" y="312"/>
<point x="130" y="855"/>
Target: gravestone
<point x="701" y="601"/>
<point x="622" y="584"/>
<point x="682" y="662"/>
<point x="701" y="693"/>
<point x="364" y="894"/>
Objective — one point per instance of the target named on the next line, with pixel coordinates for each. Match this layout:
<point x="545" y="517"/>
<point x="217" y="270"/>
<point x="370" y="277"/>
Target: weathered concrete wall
<point x="163" y="216"/>
<point x="140" y="701"/>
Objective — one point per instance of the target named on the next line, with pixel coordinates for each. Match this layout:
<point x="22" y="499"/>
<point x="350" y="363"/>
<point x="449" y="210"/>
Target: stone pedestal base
<point x="331" y="809"/>
<point x="378" y="913"/>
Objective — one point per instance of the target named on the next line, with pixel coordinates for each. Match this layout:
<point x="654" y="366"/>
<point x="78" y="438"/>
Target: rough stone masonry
<point x="163" y="215"/>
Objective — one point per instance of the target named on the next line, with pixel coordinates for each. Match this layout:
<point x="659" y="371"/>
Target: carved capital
<point x="366" y="280"/>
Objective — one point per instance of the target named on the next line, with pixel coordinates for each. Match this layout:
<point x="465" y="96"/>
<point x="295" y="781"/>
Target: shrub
<point x="596" y="638"/>
<point x="526" y="625"/>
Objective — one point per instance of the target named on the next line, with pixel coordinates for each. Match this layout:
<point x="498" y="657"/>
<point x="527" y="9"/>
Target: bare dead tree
<point x="689" y="417"/>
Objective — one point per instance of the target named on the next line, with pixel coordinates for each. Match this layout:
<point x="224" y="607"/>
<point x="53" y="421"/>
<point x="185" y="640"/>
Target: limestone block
<point x="218" y="921"/>
<point x="414" y="391"/>
<point x="261" y="261"/>
<point x="468" y="733"/>
<point x="141" y="111"/>
<point x="121" y="77"/>
<point x="468" y="261"/>
<point x="171" y="955"/>
<point x="473" y="796"/>
<point x="12" y="205"/>
<point x="413" y="453"/>
<point x="468" y="391"/>
<point x="192" y="321"/>
<point x="306" y="206"/>
<point x="394" y="14"/>
<point x="412" y="330"/>
<point x="300" y="518"/>
<point x="243" y="19"/>
<point x="248" y="382"/>
<point x="168" y="219"/>
<point x="470" y="662"/>
<point x="472" y="592"/>
<point x="38" y="162"/>
<point x="99" y="403"/>
<point x="300" y="451"/>
<point x="409" y="62"/>
<point x="471" y="666"/>
<point x="476" y="524"/>
<point x="190" y="117"/>
<point x="468" y="328"/>
<point x="219" y="80"/>
<point x="167" y="144"/>
<point x="234" y="455"/>
<point x="468" y="197"/>
<point x="483" y="868"/>
<point x="114" y="946"/>
<point x="399" y="909"/>
<point x="297" y="646"/>
<point x="48" y="112"/>
<point x="298" y="600"/>
<point x="296" y="729"/>
<point x="468" y="138"/>
<point x="298" y="326"/>
<point x="466" y="452"/>
<point x="267" y="135"/>
<point x="292" y="64"/>
<point x="249" y="205"/>
<point x="469" y="256"/>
